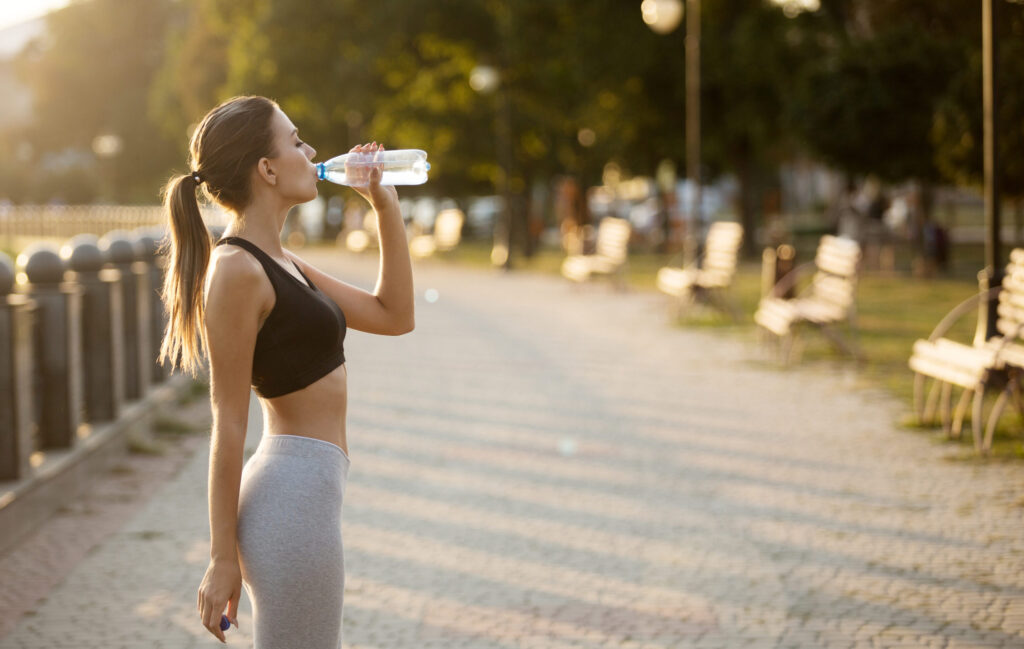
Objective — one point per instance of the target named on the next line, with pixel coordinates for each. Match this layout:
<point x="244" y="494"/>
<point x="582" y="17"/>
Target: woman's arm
<point x="236" y="298"/>
<point x="234" y="304"/>
<point x="394" y="281"/>
<point x="390" y="309"/>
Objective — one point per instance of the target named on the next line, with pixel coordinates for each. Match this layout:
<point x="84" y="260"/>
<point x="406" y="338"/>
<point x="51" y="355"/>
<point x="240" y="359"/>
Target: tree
<point x="957" y="128"/>
<point x="90" y="76"/>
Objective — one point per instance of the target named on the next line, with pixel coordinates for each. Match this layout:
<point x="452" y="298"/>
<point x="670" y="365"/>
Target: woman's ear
<point x="266" y="171"/>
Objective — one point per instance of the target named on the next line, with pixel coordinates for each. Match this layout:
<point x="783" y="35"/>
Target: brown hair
<point x="225" y="147"/>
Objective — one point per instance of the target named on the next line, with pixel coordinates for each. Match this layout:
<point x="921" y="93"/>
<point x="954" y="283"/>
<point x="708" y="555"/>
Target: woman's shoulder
<point x="233" y="273"/>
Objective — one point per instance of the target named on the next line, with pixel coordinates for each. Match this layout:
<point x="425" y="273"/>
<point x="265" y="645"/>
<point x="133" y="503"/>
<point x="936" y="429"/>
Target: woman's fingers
<point x="211" y="620"/>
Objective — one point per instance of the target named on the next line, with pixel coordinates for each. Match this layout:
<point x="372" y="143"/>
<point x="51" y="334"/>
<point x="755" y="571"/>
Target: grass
<point x="198" y="388"/>
<point x="894" y="310"/>
<point x="168" y="425"/>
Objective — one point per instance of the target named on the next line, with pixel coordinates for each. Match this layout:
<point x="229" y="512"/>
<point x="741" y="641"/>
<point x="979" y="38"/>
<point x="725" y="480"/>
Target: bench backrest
<point x="721" y="251"/>
<point x="448" y="228"/>
<point x="837" y="261"/>
<point x="613" y="238"/>
<point x="1011" y="296"/>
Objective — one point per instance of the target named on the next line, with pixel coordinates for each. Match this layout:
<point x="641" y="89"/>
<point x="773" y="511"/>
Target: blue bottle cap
<point x="225" y="623"/>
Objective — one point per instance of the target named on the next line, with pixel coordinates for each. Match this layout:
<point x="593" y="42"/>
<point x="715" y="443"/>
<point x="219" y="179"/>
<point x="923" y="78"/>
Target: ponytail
<point x="226" y="145"/>
<point x="188" y="253"/>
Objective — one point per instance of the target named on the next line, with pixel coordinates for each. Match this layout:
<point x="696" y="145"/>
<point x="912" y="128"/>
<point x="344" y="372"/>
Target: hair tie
<point x="196" y="177"/>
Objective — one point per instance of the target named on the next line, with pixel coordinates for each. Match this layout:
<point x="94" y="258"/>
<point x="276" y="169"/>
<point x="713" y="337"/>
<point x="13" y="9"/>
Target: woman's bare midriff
<point x="317" y="410"/>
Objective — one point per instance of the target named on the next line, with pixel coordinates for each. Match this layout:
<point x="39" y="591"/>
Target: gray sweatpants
<point x="289" y="541"/>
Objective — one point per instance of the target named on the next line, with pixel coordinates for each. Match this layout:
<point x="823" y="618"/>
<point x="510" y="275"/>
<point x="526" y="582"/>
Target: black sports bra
<point x="302" y="338"/>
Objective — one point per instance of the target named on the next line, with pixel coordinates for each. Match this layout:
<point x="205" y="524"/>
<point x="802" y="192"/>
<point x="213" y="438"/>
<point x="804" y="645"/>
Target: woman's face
<point x="296" y="174"/>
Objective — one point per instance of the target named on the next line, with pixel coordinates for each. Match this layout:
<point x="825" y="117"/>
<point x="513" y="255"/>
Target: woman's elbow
<point x="396" y="326"/>
<point x="405" y="327"/>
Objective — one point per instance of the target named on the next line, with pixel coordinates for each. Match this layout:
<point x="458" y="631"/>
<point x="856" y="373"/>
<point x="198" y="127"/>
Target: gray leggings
<point x="289" y="541"/>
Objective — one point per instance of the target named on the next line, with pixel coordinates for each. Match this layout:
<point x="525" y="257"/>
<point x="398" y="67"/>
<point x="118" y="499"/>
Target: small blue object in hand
<point x="225" y="623"/>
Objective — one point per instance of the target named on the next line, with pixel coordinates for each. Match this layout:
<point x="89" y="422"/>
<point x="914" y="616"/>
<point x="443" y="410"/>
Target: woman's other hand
<point x="222" y="586"/>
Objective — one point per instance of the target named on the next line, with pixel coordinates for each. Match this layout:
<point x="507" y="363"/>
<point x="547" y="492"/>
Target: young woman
<point x="266" y="319"/>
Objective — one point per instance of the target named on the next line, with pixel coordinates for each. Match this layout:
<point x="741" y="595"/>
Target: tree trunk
<point x="748" y="205"/>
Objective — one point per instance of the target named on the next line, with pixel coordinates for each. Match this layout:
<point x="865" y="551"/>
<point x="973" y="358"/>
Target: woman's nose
<point x="312" y="153"/>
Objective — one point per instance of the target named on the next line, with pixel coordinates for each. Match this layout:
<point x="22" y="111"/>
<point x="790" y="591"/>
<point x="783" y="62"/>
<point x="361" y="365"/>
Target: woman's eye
<point x="300" y="143"/>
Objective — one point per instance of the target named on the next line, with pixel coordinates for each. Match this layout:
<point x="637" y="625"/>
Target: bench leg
<point x="977" y="415"/>
<point x="961" y="412"/>
<point x="717" y="299"/>
<point x="993" y="420"/>
<point x="919" y="380"/>
<point x="793" y="348"/>
<point x="944" y="412"/>
<point x="681" y="304"/>
<point x="844" y="346"/>
<point x="931" y="405"/>
<point x="1012" y="390"/>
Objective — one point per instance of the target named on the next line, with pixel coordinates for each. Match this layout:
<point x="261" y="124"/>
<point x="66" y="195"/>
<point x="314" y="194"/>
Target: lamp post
<point x="662" y="16"/>
<point x="990" y="101"/>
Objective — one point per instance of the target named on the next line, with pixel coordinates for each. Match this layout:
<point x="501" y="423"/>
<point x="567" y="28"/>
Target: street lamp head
<point x="484" y="79"/>
<point x="662" y="16"/>
<point x="793" y="8"/>
<point x="107" y="145"/>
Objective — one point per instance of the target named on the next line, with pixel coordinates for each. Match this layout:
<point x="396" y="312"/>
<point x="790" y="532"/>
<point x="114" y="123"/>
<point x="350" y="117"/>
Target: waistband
<point x="300" y="445"/>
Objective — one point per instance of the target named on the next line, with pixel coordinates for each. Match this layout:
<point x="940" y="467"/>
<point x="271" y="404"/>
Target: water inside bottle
<point x="398" y="169"/>
<point x="403" y="176"/>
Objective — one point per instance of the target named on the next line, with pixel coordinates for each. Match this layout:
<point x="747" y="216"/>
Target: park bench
<point x="986" y="363"/>
<point x="611" y="256"/>
<point x="710" y="276"/>
<point x="828" y="301"/>
<point x="446" y="235"/>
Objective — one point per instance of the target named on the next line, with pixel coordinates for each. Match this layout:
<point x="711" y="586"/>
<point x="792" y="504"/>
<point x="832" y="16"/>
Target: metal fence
<point x="63" y="221"/>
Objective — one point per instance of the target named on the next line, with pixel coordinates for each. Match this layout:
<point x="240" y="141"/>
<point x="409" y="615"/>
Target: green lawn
<point x="893" y="311"/>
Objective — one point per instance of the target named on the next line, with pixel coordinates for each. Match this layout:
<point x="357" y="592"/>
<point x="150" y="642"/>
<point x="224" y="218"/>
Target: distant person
<point x="849" y="219"/>
<point x="271" y="321"/>
<point x="879" y="241"/>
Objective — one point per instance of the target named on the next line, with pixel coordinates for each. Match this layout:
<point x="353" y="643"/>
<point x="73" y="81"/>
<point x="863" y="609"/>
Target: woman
<point x="268" y="320"/>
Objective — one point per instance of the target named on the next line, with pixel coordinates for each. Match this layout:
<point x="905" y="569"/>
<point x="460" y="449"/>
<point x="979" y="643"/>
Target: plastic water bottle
<point x="399" y="167"/>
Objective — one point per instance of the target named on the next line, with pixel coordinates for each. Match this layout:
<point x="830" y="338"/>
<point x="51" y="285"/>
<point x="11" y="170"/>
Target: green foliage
<point x="889" y="87"/>
<point x="90" y="76"/>
<point x="867" y="106"/>
<point x="957" y="129"/>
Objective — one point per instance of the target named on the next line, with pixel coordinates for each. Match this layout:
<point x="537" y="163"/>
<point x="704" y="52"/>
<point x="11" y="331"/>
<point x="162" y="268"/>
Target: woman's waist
<point x="327" y="426"/>
<point x="301" y="444"/>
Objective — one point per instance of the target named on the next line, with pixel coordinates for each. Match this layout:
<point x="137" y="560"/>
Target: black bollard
<point x="102" y="328"/>
<point x="17" y="420"/>
<point x="57" y="346"/>
<point x="150" y="241"/>
<point x="121" y="251"/>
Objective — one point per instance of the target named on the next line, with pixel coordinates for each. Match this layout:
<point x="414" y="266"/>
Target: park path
<point x="542" y="465"/>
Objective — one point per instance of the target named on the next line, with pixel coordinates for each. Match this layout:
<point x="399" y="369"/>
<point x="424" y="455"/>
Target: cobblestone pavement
<point x="538" y="465"/>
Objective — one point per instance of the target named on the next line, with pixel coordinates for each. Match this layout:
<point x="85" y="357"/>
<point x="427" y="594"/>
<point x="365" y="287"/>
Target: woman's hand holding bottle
<point x="365" y="179"/>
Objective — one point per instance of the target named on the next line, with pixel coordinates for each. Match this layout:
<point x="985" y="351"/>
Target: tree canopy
<point x="888" y="87"/>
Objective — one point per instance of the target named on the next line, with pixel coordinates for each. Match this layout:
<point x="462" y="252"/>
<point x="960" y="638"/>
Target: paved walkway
<point x="538" y="466"/>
